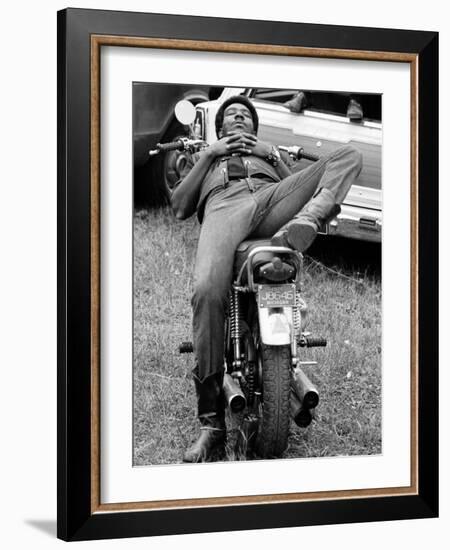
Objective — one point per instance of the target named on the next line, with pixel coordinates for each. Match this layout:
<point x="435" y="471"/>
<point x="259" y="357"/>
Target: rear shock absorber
<point x="236" y="327"/>
<point x="297" y="318"/>
<point x="297" y="326"/>
<point x="300" y="315"/>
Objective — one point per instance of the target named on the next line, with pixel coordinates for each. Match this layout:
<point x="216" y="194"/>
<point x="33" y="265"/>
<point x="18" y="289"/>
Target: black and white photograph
<point x="257" y="287"/>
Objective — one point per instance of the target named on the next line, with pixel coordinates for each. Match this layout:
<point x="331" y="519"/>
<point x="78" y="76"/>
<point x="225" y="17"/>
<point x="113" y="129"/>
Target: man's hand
<point x="240" y="143"/>
<point x="231" y="143"/>
<point x="249" y="144"/>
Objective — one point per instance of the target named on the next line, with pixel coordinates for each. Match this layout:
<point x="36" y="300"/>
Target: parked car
<point x="153" y="122"/>
<point x="319" y="128"/>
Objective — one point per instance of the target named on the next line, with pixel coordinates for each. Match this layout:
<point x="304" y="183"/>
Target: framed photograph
<point x="247" y="274"/>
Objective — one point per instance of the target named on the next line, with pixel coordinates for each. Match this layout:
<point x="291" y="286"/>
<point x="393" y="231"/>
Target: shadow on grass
<point x="348" y="255"/>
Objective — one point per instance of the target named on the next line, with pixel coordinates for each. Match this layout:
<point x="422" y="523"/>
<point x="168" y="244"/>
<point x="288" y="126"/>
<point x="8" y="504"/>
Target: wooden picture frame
<point x="81" y="35"/>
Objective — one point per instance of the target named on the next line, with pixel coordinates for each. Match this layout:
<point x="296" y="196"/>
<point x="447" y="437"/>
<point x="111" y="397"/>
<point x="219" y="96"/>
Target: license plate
<point x="276" y="295"/>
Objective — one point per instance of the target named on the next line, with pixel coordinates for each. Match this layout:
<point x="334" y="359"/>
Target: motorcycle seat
<point x="244" y="249"/>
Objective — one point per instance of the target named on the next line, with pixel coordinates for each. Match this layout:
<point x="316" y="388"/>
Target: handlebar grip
<point x="298" y="153"/>
<point x="308" y="156"/>
<point x="301" y="154"/>
<point x="171" y="146"/>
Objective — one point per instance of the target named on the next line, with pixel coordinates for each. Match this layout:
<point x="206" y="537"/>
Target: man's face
<point x="237" y="118"/>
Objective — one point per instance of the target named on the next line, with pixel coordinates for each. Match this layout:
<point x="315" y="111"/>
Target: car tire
<point x="162" y="174"/>
<point x="162" y="168"/>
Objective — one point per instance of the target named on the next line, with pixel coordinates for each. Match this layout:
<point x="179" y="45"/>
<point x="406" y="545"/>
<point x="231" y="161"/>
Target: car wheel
<point x="164" y="168"/>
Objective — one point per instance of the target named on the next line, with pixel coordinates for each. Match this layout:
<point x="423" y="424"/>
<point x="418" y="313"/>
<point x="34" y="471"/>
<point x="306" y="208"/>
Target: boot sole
<point x="301" y="236"/>
<point x="297" y="236"/>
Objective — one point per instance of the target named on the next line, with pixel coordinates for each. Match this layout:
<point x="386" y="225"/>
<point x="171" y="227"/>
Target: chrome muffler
<point x="305" y="389"/>
<point x="301" y="416"/>
<point x="235" y="399"/>
<point x="304" y="398"/>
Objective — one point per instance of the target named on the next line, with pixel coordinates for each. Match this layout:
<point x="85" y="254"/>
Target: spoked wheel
<point x="273" y="431"/>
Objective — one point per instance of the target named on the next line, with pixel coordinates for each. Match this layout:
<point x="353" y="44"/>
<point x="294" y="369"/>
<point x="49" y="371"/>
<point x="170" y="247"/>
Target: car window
<point x="272" y="94"/>
<point x="333" y="103"/>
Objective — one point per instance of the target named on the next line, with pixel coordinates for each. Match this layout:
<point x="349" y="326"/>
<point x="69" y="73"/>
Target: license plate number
<point x="276" y="295"/>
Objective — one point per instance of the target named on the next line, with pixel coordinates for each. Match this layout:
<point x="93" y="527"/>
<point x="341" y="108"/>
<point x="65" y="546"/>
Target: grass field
<point x="344" y="300"/>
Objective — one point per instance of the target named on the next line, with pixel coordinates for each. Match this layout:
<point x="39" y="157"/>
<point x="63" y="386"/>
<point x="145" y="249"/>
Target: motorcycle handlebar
<point x="171" y="146"/>
<point x="298" y="153"/>
<point x="308" y="156"/>
<point x="294" y="151"/>
<point x="182" y="144"/>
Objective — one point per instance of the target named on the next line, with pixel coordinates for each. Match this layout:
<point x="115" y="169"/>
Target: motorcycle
<point x="264" y="382"/>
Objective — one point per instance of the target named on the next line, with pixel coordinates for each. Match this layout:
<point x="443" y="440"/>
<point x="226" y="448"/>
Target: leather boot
<point x="301" y="231"/>
<point x="297" y="103"/>
<point x="211" y="414"/>
<point x="354" y="110"/>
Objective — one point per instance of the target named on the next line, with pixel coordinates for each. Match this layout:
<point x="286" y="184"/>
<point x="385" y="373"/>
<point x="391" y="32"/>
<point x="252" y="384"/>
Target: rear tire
<point x="273" y="431"/>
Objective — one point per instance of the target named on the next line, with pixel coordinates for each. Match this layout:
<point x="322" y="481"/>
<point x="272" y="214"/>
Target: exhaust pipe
<point x="305" y="389"/>
<point x="302" y="417"/>
<point x="233" y="394"/>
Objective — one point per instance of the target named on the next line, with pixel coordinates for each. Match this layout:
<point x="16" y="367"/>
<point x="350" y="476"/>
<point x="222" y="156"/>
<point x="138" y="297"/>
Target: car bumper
<point x="356" y="223"/>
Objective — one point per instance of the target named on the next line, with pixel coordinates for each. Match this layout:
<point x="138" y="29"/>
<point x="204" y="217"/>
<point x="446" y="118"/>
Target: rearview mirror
<point x="185" y="112"/>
